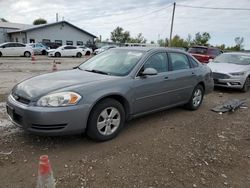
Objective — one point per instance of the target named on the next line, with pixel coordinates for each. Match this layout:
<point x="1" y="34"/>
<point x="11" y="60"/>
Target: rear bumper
<point x="46" y="120"/>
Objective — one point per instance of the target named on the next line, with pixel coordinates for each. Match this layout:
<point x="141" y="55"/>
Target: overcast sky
<point x="152" y="18"/>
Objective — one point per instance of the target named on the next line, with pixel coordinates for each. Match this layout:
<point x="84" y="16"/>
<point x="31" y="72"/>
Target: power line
<point x="213" y="8"/>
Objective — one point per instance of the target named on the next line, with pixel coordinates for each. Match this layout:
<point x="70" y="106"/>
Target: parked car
<point x="85" y="50"/>
<point x="51" y="45"/>
<point x="100" y="94"/>
<point x="232" y="70"/>
<point x="91" y="46"/>
<point x="64" y="51"/>
<point x="102" y="49"/>
<point x="203" y="53"/>
<point x="39" y="48"/>
<point x="15" y="49"/>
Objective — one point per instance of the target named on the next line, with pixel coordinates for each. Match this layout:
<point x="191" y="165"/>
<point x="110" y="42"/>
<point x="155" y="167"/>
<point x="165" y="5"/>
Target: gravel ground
<point x="173" y="148"/>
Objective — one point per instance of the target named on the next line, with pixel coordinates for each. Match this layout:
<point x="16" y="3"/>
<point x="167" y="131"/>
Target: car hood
<point x="38" y="86"/>
<point x="226" y="67"/>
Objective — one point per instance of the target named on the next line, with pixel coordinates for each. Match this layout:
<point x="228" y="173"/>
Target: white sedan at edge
<point x="66" y="50"/>
<point x="15" y="49"/>
<point x="231" y="70"/>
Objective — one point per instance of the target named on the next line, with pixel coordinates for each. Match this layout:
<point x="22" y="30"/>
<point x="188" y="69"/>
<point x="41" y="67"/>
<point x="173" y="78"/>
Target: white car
<point x="231" y="70"/>
<point x="85" y="50"/>
<point x="15" y="49"/>
<point x="102" y="49"/>
<point x="66" y="50"/>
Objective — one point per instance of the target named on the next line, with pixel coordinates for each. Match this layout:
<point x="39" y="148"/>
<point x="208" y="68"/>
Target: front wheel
<point x="196" y="98"/>
<point x="57" y="54"/>
<point x="246" y="85"/>
<point x="106" y="120"/>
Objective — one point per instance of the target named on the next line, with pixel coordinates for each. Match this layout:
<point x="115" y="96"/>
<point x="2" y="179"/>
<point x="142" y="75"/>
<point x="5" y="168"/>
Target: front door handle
<point x="166" y="78"/>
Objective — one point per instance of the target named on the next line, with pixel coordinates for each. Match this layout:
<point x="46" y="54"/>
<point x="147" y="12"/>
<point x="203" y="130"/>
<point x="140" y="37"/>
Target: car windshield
<point x="113" y="62"/>
<point x="240" y="59"/>
<point x="198" y="50"/>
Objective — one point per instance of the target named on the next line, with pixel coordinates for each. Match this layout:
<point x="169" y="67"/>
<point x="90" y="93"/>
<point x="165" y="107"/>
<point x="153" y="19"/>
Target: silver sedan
<point x="232" y="70"/>
<point x="99" y="95"/>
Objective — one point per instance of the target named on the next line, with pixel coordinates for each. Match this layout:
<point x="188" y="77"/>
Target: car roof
<point x="207" y="47"/>
<point x="148" y="49"/>
<point x="237" y="53"/>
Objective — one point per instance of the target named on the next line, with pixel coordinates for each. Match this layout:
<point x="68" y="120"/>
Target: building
<point x="63" y="33"/>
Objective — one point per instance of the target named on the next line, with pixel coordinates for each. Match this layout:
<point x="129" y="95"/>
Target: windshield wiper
<point x="77" y="67"/>
<point x="97" y="71"/>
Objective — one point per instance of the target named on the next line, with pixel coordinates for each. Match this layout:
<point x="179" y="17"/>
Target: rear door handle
<point x="166" y="78"/>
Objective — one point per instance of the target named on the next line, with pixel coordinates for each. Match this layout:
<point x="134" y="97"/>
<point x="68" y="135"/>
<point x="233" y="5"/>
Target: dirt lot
<point x="174" y="148"/>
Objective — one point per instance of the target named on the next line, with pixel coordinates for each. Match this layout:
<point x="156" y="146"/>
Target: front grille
<point x="220" y="76"/>
<point x="48" y="127"/>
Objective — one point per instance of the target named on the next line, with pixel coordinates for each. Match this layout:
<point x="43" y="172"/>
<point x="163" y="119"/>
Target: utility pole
<point x="56" y="17"/>
<point x="172" y="24"/>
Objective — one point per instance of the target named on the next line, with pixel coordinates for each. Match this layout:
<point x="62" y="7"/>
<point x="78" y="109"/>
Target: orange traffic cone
<point x="54" y="67"/>
<point x="33" y="58"/>
<point x="45" y="174"/>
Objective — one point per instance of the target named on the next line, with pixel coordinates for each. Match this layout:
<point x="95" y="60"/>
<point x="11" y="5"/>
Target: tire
<point x="27" y="54"/>
<point x="44" y="52"/>
<point x="87" y="53"/>
<point x="109" y="126"/>
<point x="79" y="55"/>
<point x="1" y="54"/>
<point x="246" y="85"/>
<point x="57" y="54"/>
<point x="196" y="99"/>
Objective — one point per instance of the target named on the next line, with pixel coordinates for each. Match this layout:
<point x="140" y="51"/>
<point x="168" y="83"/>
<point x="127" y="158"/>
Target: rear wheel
<point x="1" y="54"/>
<point x="44" y="52"/>
<point x="196" y="98"/>
<point x="106" y="120"/>
<point x="27" y="54"/>
<point x="79" y="54"/>
<point x="246" y="85"/>
<point x="87" y="53"/>
<point x="57" y="54"/>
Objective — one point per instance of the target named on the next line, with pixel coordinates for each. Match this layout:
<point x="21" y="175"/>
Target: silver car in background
<point x="231" y="70"/>
<point x="99" y="95"/>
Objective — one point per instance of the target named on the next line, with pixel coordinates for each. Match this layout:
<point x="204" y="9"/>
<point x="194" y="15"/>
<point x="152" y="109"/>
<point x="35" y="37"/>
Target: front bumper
<point x="47" y="120"/>
<point x="230" y="83"/>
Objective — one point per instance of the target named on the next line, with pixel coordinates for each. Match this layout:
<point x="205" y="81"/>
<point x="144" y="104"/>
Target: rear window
<point x="198" y="50"/>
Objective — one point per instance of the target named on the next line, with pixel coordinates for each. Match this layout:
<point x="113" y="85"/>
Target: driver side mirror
<point x="149" y="72"/>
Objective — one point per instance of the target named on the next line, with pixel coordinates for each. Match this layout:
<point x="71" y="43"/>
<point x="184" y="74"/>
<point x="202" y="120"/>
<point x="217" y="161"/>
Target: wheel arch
<point x="118" y="97"/>
<point x="203" y="85"/>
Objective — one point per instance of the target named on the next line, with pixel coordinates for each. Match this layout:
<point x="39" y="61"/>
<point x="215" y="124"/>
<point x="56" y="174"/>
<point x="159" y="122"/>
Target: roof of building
<point x="51" y="24"/>
<point x="10" y="25"/>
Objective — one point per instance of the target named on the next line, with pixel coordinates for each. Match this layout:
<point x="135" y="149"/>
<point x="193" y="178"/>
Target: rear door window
<point x="179" y="61"/>
<point x="198" y="50"/>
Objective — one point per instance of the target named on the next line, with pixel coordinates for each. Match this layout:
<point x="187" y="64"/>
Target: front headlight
<point x="59" y="99"/>
<point x="237" y="73"/>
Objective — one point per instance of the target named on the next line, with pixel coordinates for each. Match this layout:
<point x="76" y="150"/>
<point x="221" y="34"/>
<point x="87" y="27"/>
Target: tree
<point x="119" y="35"/>
<point x="239" y="42"/>
<point x="138" y="39"/>
<point x="3" y="20"/>
<point x="39" y="21"/>
<point x="177" y="41"/>
<point x="162" y="42"/>
<point x="202" y="39"/>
